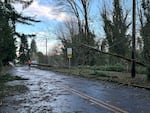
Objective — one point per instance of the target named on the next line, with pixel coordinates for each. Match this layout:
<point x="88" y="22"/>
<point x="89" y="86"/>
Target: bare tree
<point x="79" y="8"/>
<point x="72" y="7"/>
<point x="86" y="4"/>
<point x="71" y="27"/>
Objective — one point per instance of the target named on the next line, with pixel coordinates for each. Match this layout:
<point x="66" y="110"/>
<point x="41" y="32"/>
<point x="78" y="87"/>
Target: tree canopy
<point x="9" y="18"/>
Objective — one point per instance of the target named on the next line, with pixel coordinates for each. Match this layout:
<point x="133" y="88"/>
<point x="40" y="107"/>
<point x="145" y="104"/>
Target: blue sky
<point x="44" y="10"/>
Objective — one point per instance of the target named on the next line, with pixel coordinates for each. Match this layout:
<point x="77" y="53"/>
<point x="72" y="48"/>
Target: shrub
<point x="117" y="67"/>
<point x="8" y="77"/>
<point x="99" y="74"/>
<point x="141" y="70"/>
<point x="148" y="73"/>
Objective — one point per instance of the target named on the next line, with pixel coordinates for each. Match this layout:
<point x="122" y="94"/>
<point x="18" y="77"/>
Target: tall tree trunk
<point x="73" y="6"/>
<point x="85" y="9"/>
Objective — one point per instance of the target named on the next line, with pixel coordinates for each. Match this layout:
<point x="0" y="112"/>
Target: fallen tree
<point x="112" y="54"/>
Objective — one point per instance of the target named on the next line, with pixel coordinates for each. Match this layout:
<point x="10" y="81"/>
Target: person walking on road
<point x="29" y="63"/>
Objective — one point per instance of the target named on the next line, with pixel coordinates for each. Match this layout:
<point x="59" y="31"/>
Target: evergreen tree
<point x="145" y="30"/>
<point x="116" y="29"/>
<point x="9" y="18"/>
<point x="145" y="33"/>
<point x="7" y="40"/>
<point x="41" y="57"/>
<point x="24" y="50"/>
<point x="33" y="48"/>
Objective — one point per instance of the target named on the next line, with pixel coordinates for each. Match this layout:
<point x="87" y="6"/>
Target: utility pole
<point x="133" y="39"/>
<point x="46" y="52"/>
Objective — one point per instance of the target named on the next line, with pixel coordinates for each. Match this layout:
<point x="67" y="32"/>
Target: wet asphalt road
<point x="51" y="92"/>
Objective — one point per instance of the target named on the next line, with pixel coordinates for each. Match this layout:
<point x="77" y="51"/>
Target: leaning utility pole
<point x="133" y="39"/>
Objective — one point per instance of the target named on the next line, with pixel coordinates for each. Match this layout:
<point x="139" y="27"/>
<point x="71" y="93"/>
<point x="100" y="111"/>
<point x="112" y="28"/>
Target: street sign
<point x="69" y="53"/>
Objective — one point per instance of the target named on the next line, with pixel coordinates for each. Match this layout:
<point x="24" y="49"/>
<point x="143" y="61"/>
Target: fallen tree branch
<point x="115" y="55"/>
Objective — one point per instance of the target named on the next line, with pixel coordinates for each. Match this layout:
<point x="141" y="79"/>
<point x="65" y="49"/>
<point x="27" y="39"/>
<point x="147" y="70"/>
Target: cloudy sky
<point x="42" y="10"/>
<point x="45" y="10"/>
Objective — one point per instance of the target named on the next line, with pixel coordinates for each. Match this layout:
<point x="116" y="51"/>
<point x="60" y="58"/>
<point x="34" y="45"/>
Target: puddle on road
<point x="42" y="94"/>
<point x="46" y="94"/>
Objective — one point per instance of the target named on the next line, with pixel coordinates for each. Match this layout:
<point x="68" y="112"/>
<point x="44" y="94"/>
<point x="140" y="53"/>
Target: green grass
<point x="6" y="90"/>
<point x="7" y="77"/>
<point x="98" y="73"/>
<point x="115" y="68"/>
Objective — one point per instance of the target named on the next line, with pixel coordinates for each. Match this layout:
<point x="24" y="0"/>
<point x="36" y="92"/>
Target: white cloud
<point x="44" y="12"/>
<point x="51" y="45"/>
<point x="41" y="33"/>
<point x="36" y="9"/>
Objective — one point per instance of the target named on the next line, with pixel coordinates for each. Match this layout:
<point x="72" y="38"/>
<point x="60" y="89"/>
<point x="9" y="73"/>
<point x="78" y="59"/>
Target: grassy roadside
<point x="6" y="90"/>
<point x="110" y="76"/>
